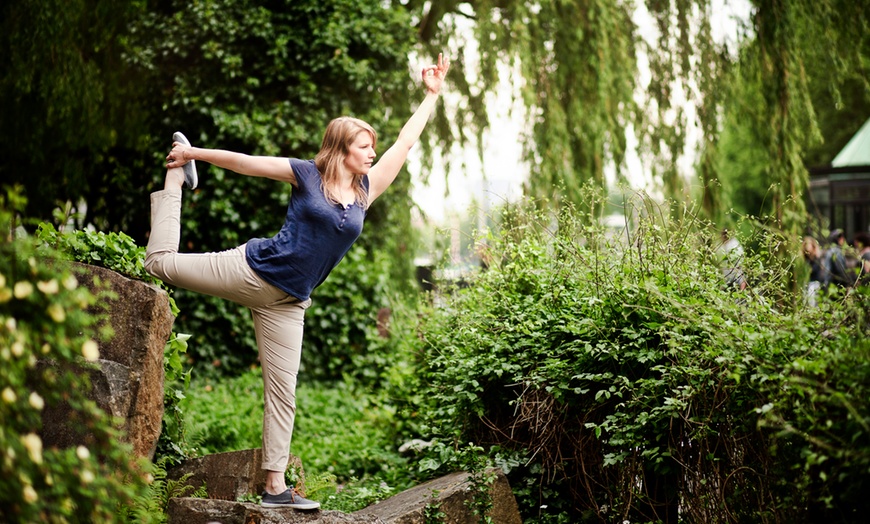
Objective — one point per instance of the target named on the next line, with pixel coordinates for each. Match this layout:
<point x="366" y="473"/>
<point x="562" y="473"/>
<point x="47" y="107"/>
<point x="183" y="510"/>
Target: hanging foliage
<point x="580" y="64"/>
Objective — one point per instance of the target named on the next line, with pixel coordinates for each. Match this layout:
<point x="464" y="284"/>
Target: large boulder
<point x="451" y="493"/>
<point x="128" y="380"/>
<point x="231" y="475"/>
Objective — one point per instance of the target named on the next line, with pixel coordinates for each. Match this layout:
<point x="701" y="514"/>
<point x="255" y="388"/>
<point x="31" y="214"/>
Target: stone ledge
<point x="452" y="493"/>
<point x="210" y="511"/>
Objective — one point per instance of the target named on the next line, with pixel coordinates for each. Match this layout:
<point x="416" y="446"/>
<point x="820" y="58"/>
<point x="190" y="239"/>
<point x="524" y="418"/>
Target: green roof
<point x="857" y="151"/>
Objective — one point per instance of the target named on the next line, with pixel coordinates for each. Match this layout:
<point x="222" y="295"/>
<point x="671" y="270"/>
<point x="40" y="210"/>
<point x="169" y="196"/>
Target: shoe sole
<point x="189" y="168"/>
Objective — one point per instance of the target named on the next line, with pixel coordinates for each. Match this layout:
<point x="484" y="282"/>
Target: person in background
<point x="861" y="242"/>
<point x="730" y="259"/>
<point x="813" y="255"/>
<point x="274" y="277"/>
<point x="835" y="268"/>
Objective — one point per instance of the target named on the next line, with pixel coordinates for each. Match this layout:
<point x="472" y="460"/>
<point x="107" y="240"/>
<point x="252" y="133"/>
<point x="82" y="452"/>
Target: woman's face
<point x="361" y="154"/>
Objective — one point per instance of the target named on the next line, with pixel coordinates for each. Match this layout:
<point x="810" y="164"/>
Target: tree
<point x="579" y="69"/>
<point x="838" y="103"/>
<point x="70" y="109"/>
<point x="578" y="66"/>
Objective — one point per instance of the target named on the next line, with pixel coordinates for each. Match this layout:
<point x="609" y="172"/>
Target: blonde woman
<point x="274" y="277"/>
<point x="813" y="255"/>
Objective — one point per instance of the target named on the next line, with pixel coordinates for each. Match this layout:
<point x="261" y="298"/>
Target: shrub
<point x="624" y="380"/>
<point x="47" y="335"/>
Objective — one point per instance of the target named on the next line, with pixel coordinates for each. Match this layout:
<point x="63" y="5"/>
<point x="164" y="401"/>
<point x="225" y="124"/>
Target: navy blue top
<point x="316" y="235"/>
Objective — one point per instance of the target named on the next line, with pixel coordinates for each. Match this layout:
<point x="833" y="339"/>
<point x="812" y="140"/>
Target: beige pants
<point x="278" y="317"/>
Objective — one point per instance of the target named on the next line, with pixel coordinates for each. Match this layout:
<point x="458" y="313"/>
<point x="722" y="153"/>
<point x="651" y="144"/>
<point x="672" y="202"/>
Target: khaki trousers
<point x="278" y="316"/>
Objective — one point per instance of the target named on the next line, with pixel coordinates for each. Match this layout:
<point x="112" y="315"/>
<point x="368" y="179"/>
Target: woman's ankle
<point x="275" y="483"/>
<point x="174" y="179"/>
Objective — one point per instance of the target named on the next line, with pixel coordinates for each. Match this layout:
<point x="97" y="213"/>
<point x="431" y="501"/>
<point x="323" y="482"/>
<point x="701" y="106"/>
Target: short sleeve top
<point x="316" y="235"/>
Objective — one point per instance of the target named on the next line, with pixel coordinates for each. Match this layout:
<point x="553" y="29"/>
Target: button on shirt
<point x="316" y="235"/>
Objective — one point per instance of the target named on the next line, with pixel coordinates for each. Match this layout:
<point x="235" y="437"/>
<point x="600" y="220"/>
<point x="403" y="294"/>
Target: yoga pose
<point x="274" y="277"/>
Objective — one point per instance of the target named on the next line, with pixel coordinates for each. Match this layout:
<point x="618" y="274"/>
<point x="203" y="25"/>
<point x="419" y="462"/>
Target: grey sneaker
<point x="289" y="499"/>
<point x="189" y="168"/>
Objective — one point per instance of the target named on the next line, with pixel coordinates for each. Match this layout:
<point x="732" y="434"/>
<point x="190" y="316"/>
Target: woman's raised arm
<point x="384" y="172"/>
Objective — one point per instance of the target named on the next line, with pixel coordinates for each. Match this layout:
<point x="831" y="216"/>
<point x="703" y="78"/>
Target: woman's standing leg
<point x="279" y="338"/>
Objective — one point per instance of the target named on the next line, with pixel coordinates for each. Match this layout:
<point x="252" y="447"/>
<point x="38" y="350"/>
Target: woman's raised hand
<point x="433" y="75"/>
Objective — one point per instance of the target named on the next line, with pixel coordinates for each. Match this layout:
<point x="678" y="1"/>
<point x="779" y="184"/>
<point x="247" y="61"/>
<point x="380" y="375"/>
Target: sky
<point x="500" y="175"/>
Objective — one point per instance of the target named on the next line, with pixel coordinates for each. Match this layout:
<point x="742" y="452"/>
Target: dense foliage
<point x="589" y="73"/>
<point x="621" y="379"/>
<point x="48" y="336"/>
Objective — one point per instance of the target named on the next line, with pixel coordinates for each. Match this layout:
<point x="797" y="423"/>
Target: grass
<point x="343" y="434"/>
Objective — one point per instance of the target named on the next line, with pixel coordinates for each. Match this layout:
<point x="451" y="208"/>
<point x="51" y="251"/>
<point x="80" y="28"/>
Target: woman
<point x="274" y="277"/>
<point x="813" y="255"/>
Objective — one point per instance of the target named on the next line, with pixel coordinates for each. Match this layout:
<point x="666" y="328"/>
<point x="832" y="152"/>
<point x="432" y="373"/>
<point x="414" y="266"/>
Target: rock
<point x="231" y="475"/>
<point x="452" y="493"/>
<point x="208" y="511"/>
<point x="128" y="382"/>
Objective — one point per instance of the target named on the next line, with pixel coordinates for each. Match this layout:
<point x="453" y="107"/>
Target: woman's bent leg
<point x="224" y="274"/>
<point x="279" y="338"/>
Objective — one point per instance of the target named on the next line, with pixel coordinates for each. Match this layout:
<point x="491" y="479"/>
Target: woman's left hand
<point x="179" y="155"/>
<point x="433" y="75"/>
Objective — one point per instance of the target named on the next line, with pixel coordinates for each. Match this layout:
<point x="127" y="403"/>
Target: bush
<point x="623" y="380"/>
<point x="47" y="335"/>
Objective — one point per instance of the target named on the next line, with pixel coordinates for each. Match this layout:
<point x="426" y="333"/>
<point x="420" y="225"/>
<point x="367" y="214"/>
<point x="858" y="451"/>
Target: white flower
<point x="56" y="312"/>
<point x="82" y="453"/>
<point x="9" y="395"/>
<point x="87" y="476"/>
<point x="29" y="494"/>
<point x="33" y="444"/>
<point x="90" y="350"/>
<point x="17" y="348"/>
<point x="49" y="287"/>
<point x="36" y="401"/>
<point x="11" y="325"/>
<point x="70" y="282"/>
<point x="22" y="289"/>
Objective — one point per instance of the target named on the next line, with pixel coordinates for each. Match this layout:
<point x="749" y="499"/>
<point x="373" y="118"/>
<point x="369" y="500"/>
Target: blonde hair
<point x="811" y="248"/>
<point x="340" y="134"/>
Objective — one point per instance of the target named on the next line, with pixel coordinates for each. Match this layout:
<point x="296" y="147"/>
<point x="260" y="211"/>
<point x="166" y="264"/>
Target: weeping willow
<point x="580" y="63"/>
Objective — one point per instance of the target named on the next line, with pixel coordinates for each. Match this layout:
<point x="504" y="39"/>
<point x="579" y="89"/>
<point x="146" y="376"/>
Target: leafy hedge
<point x="46" y="335"/>
<point x="621" y="379"/>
